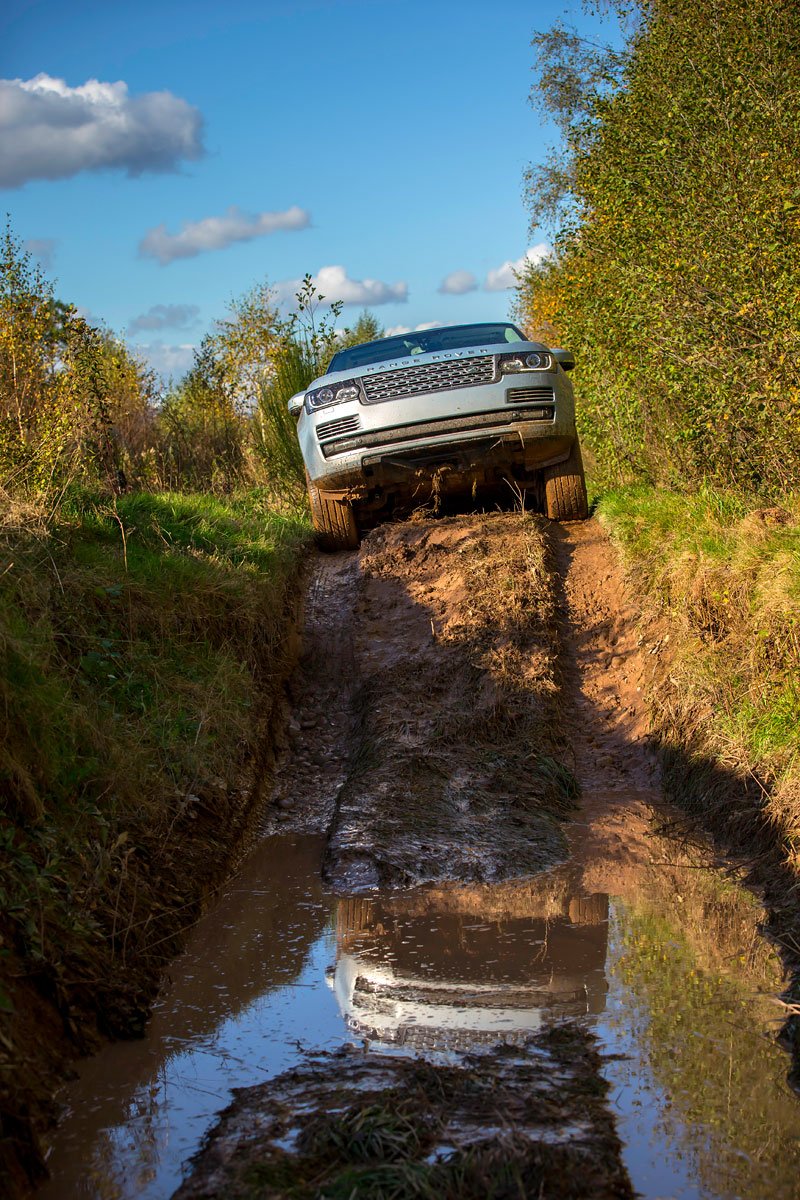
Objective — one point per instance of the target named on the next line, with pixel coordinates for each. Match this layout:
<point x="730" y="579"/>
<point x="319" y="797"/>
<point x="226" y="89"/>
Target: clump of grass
<point x="368" y="1133"/>
<point x="274" y="427"/>
<point x="725" y="574"/>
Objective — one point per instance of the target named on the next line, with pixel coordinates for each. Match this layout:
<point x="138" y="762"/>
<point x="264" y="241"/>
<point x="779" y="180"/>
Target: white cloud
<point x="457" y="283"/>
<point x="43" y="249"/>
<point x="334" y="284"/>
<point x="165" y="316"/>
<point x="507" y="275"/>
<point x="88" y="316"/>
<point x="396" y="330"/>
<point x="51" y="131"/>
<point x="167" y="360"/>
<point x="215" y="233"/>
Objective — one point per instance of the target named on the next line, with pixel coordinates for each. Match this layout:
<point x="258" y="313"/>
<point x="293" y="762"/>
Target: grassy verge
<point x="720" y="583"/>
<point x="727" y="575"/>
<point x="142" y="644"/>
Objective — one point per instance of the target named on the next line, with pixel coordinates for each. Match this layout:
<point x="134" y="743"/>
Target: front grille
<point x="429" y="377"/>
<point x="422" y="1037"/>
<point x="530" y="395"/>
<point x="338" y="427"/>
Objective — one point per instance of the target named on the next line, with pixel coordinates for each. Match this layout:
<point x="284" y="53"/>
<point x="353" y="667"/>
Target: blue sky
<point x="387" y="140"/>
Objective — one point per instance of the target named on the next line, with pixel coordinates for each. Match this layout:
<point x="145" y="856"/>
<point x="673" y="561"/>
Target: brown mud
<point x="428" y="735"/>
<point x="462" y="680"/>
<point x="516" y="1122"/>
<point x="461" y="683"/>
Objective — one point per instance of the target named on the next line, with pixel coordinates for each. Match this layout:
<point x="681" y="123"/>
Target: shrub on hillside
<point x="677" y="204"/>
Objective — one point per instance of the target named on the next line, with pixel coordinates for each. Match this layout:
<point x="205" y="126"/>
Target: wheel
<point x="565" y="489"/>
<point x="334" y="520"/>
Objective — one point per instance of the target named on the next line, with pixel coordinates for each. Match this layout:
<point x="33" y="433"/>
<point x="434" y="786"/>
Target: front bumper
<point x="527" y="419"/>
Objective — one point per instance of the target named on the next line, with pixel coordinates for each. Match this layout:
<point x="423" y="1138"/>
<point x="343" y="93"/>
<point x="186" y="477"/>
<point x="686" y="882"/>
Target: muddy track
<point x="468" y="713"/>
<point x="461" y="682"/>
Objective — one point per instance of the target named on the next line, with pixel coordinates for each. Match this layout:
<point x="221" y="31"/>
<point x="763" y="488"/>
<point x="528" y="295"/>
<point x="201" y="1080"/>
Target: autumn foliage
<point x="676" y="206"/>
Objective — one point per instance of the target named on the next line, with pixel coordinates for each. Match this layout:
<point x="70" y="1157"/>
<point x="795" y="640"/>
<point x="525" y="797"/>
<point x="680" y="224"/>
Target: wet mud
<point x="516" y="1122"/>
<point x="474" y="953"/>
<point x="429" y="743"/>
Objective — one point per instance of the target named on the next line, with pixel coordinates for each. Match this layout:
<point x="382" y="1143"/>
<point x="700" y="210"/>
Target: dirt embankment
<point x="130" y="906"/>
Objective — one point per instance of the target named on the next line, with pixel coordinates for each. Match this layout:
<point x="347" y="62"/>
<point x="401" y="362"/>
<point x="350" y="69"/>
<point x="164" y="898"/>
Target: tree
<point x="678" y="242"/>
<point x="244" y="344"/>
<point x="366" y="329"/>
<point x="73" y="400"/>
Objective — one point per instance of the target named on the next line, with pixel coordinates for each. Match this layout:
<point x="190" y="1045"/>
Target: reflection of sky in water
<point x="654" y="1159"/>
<point x="193" y="1084"/>
<point x="251" y="995"/>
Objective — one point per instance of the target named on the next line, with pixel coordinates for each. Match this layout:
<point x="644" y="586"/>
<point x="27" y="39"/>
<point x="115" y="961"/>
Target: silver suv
<point x="462" y="408"/>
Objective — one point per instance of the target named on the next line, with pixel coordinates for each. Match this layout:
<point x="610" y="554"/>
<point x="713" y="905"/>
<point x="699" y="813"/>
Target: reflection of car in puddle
<point x="434" y="971"/>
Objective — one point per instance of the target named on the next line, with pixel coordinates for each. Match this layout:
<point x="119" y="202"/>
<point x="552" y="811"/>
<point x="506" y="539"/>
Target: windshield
<point x="424" y="341"/>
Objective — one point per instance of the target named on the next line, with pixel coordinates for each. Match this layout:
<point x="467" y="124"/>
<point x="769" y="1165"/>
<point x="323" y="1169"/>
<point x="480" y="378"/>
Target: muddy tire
<point x="565" y="489"/>
<point x="334" y="520"/>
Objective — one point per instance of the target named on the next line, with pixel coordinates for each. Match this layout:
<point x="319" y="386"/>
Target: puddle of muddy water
<point x="279" y="968"/>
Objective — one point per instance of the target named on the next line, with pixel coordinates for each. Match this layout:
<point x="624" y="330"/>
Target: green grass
<point x="136" y="633"/>
<point x="142" y="641"/>
<point x="726" y="573"/>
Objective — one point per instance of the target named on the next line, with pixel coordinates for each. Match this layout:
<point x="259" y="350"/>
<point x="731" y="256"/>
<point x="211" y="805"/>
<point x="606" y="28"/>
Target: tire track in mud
<point x="314" y="754"/>
<point x="604" y="673"/>
<point x="460" y="679"/>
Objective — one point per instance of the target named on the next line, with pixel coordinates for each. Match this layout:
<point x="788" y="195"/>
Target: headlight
<point x="336" y="393"/>
<point x="534" y="360"/>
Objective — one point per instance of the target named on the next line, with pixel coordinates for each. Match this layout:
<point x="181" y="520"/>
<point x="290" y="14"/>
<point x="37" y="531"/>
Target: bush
<point x="675" y="279"/>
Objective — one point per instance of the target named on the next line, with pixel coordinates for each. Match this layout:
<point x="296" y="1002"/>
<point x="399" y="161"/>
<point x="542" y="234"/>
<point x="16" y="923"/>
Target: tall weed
<point x="275" y="429"/>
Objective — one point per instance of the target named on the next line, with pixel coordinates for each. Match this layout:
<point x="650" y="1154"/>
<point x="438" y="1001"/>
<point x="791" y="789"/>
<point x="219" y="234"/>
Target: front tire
<point x="334" y="520"/>
<point x="565" y="489"/>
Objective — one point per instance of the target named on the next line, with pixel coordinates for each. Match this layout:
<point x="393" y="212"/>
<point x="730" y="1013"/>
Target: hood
<point x="418" y="360"/>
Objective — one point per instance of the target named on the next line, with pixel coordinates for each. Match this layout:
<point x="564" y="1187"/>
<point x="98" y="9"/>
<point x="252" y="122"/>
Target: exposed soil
<point x="464" y="685"/>
<point x="429" y="735"/>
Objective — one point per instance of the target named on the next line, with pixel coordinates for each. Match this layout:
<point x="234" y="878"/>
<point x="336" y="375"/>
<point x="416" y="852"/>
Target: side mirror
<point x="565" y="357"/>
<point x="296" y="403"/>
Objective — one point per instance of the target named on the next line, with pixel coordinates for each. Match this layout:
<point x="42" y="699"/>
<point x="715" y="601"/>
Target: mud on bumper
<point x="482" y="450"/>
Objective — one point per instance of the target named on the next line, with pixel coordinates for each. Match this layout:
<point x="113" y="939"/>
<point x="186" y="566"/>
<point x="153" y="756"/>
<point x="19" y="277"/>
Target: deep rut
<point x="426" y="737"/>
<point x="460" y="680"/>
